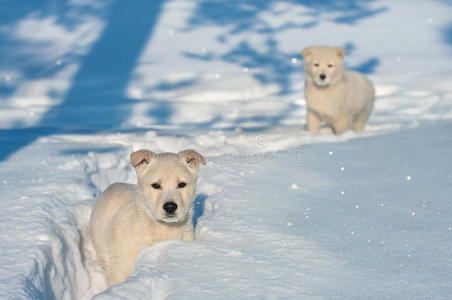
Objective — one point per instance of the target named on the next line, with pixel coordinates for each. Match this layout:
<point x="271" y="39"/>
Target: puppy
<point x="341" y="98"/>
<point x="128" y="217"/>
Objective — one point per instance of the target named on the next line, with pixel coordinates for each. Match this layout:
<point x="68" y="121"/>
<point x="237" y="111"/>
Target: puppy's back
<point x="111" y="200"/>
<point x="360" y="91"/>
<point x="107" y="206"/>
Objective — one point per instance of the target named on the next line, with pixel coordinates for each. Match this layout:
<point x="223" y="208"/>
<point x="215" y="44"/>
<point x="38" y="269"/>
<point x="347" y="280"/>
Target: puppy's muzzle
<point x="322" y="76"/>
<point x="170" y="207"/>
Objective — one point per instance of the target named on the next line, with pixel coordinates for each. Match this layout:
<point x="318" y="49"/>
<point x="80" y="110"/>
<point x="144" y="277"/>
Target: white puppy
<point x="128" y="217"/>
<point x="341" y="98"/>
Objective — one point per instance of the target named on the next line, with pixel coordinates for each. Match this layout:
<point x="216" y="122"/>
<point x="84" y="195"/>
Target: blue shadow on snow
<point x="102" y="79"/>
<point x="269" y="63"/>
<point x="198" y="207"/>
<point x="447" y="34"/>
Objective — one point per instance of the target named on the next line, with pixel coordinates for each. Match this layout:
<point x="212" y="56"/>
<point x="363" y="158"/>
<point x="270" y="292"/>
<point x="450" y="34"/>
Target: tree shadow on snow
<point x="366" y="67"/>
<point x="447" y="34"/>
<point x="244" y="16"/>
<point x="271" y="64"/>
<point x="96" y="98"/>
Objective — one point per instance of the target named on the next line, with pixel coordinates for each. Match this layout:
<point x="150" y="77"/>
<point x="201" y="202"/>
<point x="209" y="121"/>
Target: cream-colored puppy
<point x="128" y="217"/>
<point x="343" y="99"/>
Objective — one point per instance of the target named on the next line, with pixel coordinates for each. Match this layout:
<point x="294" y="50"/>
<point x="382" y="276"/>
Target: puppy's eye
<point x="181" y="185"/>
<point x="316" y="65"/>
<point x="156" y="186"/>
<point x="330" y="66"/>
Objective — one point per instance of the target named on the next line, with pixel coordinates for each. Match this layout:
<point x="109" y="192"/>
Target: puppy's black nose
<point x="322" y="76"/>
<point x="170" y="207"/>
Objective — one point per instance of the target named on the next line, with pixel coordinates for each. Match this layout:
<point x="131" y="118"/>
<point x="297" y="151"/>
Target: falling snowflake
<point x="294" y="186"/>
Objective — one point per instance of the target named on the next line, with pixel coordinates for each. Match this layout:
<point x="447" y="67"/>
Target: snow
<point x="279" y="213"/>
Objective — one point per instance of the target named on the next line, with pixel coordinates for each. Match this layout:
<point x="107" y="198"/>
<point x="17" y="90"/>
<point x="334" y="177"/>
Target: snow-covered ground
<point x="280" y="213"/>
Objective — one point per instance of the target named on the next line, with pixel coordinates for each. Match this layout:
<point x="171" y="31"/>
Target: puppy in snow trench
<point x="128" y="217"/>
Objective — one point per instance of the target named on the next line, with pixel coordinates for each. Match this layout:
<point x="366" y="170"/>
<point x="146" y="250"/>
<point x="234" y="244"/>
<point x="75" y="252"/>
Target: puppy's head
<point x="168" y="182"/>
<point x="323" y="64"/>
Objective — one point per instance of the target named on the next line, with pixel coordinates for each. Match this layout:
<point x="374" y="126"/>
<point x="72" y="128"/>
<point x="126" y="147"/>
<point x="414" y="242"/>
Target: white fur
<point x="343" y="99"/>
<point x="128" y="217"/>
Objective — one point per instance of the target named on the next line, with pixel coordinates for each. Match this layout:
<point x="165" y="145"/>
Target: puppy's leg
<point x="361" y="121"/>
<point x="313" y="122"/>
<point x="119" y="266"/>
<point x="342" y="124"/>
<point x="188" y="234"/>
<point x="121" y="249"/>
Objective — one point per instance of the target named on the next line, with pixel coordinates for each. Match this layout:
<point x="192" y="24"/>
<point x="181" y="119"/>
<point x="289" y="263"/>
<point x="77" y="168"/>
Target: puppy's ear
<point x="140" y="158"/>
<point x="306" y="52"/>
<point x="192" y="158"/>
<point x="340" y="52"/>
